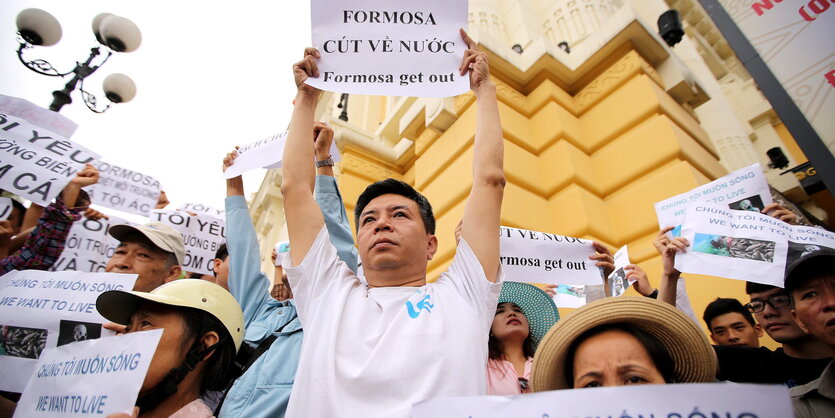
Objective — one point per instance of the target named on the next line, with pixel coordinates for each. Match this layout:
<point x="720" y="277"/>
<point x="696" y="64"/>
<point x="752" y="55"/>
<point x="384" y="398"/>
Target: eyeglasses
<point x="776" y="302"/>
<point x="524" y="385"/>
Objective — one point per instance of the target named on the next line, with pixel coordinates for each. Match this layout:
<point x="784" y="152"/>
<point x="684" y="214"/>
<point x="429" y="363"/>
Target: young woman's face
<point x="509" y="322"/>
<point x="171" y="351"/>
<point x="613" y="358"/>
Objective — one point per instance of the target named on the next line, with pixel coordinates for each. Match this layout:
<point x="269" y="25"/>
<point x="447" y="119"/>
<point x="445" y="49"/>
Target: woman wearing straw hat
<point x="523" y="316"/>
<point x="623" y="341"/>
<point x="203" y="331"/>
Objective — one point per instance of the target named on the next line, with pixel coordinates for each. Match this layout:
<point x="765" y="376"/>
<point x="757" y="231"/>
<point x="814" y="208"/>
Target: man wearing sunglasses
<point x="801" y="358"/>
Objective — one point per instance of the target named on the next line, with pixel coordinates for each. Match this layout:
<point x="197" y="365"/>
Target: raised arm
<point x="330" y="200"/>
<point x="246" y="281"/>
<point x="304" y="220"/>
<point x="482" y="214"/>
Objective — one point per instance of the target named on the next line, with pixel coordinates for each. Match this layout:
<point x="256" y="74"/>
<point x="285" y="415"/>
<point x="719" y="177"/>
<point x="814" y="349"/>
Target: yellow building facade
<point x="595" y="133"/>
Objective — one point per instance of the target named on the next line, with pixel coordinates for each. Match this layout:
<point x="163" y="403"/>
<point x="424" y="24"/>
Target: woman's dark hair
<point x="216" y="373"/>
<point x="661" y="358"/>
<point x="392" y="186"/>
<point x="496" y="351"/>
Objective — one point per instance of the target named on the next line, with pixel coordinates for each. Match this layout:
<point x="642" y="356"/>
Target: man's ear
<point x="173" y="273"/>
<point x="216" y="265"/>
<point x="799" y="322"/>
<point x="712" y="338"/>
<point x="759" y="329"/>
<point x="431" y="247"/>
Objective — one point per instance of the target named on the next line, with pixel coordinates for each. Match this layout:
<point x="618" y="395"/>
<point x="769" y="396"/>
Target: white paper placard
<point x="266" y="153"/>
<point x="392" y="48"/>
<point x="735" y="244"/>
<point x="570" y="296"/>
<point x="673" y="400"/>
<point x="41" y="309"/>
<point x="124" y="189"/>
<point x="805" y="240"/>
<point x="539" y="257"/>
<point x="5" y="208"/>
<point x="37" y="115"/>
<point x="202" y="236"/>
<point x="282" y="252"/>
<point x="203" y="209"/>
<point x="259" y="154"/>
<point x="744" y="189"/>
<point x="36" y="163"/>
<point x="97" y="377"/>
<point x="617" y="282"/>
<point x="88" y="246"/>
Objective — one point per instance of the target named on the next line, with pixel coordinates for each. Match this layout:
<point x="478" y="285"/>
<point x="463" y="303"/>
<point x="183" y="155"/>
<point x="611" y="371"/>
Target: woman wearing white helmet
<point x="203" y="327"/>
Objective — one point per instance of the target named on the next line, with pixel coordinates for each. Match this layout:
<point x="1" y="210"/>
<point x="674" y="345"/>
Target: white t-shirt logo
<point x="423" y="304"/>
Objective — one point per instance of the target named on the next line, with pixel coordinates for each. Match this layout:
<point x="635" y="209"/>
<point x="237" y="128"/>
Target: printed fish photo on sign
<point x="22" y="342"/>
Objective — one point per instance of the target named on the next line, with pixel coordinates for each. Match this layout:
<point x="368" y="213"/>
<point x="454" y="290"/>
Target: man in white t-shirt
<point x="375" y="350"/>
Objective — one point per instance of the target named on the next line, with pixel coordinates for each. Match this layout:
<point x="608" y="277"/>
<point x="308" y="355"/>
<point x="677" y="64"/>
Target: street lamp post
<point x="37" y="27"/>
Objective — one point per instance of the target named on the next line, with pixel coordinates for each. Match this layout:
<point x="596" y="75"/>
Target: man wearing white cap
<point x="154" y="251"/>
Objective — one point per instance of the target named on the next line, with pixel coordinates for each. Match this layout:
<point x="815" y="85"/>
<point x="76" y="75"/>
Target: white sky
<point x="209" y="76"/>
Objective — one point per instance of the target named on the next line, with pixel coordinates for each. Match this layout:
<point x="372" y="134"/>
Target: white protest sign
<point x="735" y="244"/>
<point x="259" y="154"/>
<point x="41" y="309"/>
<point x="282" y="251"/>
<point x="203" y="209"/>
<point x="37" y="115"/>
<point x="617" y="282"/>
<point x="539" y="257"/>
<point x="5" y="208"/>
<point x="672" y="400"/>
<point x="804" y="240"/>
<point x="570" y="296"/>
<point x="125" y="190"/>
<point x="266" y="153"/>
<point x="88" y="246"/>
<point x="98" y="377"/>
<point x="392" y="48"/>
<point x="202" y="235"/>
<point x="744" y="189"/>
<point x="36" y="163"/>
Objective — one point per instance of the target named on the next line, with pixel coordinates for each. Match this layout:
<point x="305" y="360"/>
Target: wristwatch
<point x="325" y="163"/>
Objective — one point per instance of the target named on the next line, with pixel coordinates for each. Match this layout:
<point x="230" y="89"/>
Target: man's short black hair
<point x="753" y="287"/>
<point x="222" y="252"/>
<point x="392" y="186"/>
<point x="722" y="306"/>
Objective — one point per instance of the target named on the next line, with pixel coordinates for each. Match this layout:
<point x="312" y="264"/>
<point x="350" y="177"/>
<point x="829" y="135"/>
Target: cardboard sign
<point x="125" y="190"/>
<point x="744" y="189"/>
<point x="202" y="235"/>
<point x="88" y="246"/>
<point x="203" y="209"/>
<point x="617" y="282"/>
<point x="5" y="208"/>
<point x="539" y="257"/>
<point x="36" y="163"/>
<point x="392" y="48"/>
<point x="735" y="244"/>
<point x="41" y="309"/>
<point x="97" y="377"/>
<point x="673" y="400"/>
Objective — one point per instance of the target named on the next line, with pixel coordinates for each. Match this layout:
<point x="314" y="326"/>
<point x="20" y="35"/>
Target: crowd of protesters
<point x="327" y="341"/>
